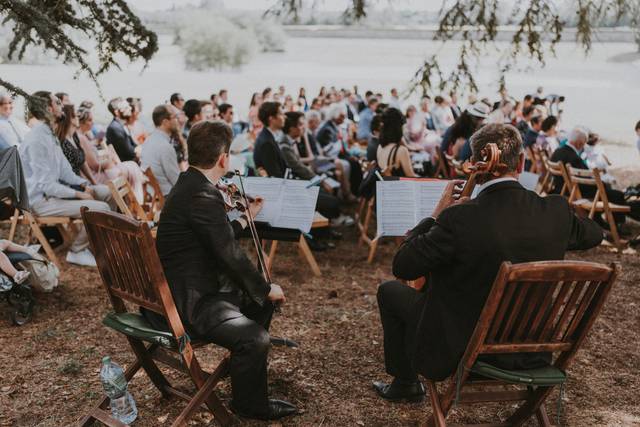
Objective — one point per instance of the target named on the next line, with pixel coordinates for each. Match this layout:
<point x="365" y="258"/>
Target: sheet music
<point x="287" y="203"/>
<point x="402" y="204"/>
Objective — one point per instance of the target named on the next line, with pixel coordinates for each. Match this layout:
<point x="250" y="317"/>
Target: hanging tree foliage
<point x="475" y="23"/>
<point x="51" y="24"/>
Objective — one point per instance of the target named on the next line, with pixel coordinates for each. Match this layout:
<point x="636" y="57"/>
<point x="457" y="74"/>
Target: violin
<point x="232" y="197"/>
<point x="489" y="165"/>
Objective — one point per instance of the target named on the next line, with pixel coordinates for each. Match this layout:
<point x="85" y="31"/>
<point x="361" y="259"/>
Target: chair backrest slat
<point x="126" y="258"/>
<point x="541" y="306"/>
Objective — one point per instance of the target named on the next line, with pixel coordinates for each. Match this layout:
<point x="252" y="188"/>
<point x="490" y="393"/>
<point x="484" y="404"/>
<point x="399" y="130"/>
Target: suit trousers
<point x="328" y="205"/>
<point x="399" y="307"/>
<point x="247" y="337"/>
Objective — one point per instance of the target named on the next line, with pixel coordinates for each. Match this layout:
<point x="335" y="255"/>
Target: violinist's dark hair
<point x="392" y="122"/>
<point x="207" y="141"/>
<point x="506" y="137"/>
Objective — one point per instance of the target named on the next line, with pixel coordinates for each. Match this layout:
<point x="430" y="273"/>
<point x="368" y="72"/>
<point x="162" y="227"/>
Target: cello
<point x="489" y="164"/>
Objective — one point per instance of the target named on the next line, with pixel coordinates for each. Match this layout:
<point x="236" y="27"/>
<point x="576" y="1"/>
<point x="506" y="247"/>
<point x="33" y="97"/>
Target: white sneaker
<point x="84" y="257"/>
<point x="343" y="220"/>
<point x="21" y="276"/>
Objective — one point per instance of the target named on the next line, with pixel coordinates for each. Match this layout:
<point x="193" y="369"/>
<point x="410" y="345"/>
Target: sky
<point x="327" y="5"/>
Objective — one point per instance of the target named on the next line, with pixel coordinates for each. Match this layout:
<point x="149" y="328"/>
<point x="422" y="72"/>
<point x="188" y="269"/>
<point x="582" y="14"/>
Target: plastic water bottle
<point x="123" y="407"/>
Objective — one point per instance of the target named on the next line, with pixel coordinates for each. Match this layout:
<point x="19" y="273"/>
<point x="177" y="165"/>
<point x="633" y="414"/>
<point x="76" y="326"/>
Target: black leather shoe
<point x="277" y="409"/>
<point x="396" y="392"/>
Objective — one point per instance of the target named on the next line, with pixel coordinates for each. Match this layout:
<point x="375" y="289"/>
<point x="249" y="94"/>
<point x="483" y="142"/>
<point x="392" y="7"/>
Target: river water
<point x="602" y="89"/>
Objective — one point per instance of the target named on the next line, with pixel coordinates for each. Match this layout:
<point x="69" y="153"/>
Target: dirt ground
<point x="49" y="368"/>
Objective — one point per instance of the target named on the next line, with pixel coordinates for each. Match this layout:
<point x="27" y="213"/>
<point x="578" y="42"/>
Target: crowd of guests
<point x="68" y="158"/>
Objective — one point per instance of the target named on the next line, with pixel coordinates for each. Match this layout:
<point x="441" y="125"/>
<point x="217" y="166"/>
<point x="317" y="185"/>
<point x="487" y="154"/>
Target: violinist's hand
<point x="450" y="196"/>
<point x="256" y="206"/>
<point x="276" y="294"/>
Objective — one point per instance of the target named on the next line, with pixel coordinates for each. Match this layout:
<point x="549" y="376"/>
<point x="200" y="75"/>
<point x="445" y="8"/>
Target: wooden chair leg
<point x="614" y="231"/>
<point x="542" y="416"/>
<point x="272" y="254"/>
<point x="37" y="232"/>
<point x="438" y="418"/>
<point x="529" y="407"/>
<point x="308" y="255"/>
<point x="372" y="250"/>
<point x="14" y="224"/>
<point x="144" y="355"/>
<point x="206" y="395"/>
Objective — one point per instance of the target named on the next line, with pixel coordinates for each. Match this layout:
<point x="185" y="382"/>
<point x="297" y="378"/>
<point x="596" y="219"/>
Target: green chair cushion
<point x="545" y="376"/>
<point x="136" y="326"/>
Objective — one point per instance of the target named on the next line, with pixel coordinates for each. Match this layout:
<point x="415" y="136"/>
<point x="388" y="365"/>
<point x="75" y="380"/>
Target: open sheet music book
<point x="402" y="204"/>
<point x="288" y="203"/>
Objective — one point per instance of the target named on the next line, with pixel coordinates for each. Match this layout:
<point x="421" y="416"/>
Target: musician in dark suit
<point x="266" y="153"/>
<point x="570" y="154"/>
<point x="221" y="297"/>
<point x="117" y="135"/>
<point x="461" y="248"/>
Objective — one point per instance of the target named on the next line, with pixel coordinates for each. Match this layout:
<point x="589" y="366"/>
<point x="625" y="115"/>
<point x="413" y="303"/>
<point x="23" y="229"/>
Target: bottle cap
<point x="106" y="360"/>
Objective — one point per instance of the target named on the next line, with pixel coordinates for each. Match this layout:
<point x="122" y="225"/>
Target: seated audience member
<point x="455" y="140"/>
<point x="117" y="133"/>
<point x="502" y="114"/>
<point x="393" y="156"/>
<point x="12" y="131"/>
<point x="366" y="115"/>
<point x="374" y="138"/>
<point x="293" y="129"/>
<point x="571" y="153"/>
<point x="177" y="100"/>
<point x="67" y="133"/>
<point x="426" y="114"/>
<point x="63" y="97"/>
<point x="209" y="111"/>
<point x="426" y="332"/>
<point x="193" y="110"/>
<point x="548" y="136"/>
<point x="531" y="135"/>
<point x="106" y="166"/>
<point x="178" y="142"/>
<point x="158" y="152"/>
<point x="266" y="153"/>
<point x="334" y="144"/>
<point x="595" y="157"/>
<point x="525" y="121"/>
<point x="453" y="104"/>
<point x="226" y="115"/>
<point x="220" y="296"/>
<point x="134" y="124"/>
<point x="442" y="115"/>
<point x="54" y="190"/>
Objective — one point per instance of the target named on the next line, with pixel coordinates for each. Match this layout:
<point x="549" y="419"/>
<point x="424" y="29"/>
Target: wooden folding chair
<point x="126" y="201"/>
<point x="131" y="273"/>
<point x="153" y="197"/>
<point x="538" y="307"/>
<point x="271" y="246"/>
<point x="65" y="225"/>
<point x="555" y="169"/>
<point x="600" y="202"/>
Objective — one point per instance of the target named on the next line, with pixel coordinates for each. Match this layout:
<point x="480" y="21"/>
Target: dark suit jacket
<point x="121" y="140"/>
<point x="266" y="154"/>
<point x="327" y="134"/>
<point x="564" y="155"/>
<point x="462" y="251"/>
<point x="208" y="272"/>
